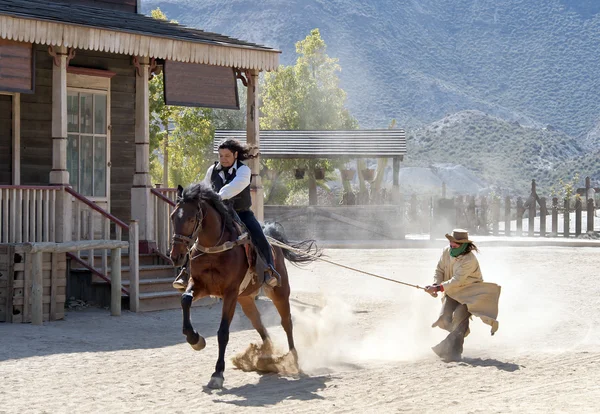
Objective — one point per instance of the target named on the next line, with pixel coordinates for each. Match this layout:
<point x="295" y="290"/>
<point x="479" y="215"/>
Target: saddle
<point x="256" y="264"/>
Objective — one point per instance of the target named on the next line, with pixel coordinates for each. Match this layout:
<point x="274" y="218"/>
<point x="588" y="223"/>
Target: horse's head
<point x="187" y="220"/>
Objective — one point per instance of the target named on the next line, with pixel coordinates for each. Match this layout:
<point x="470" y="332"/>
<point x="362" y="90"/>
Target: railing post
<point x="578" y="208"/>
<point x="531" y="222"/>
<point x="134" y="267"/>
<point x="543" y="214"/>
<point x="554" y="216"/>
<point x="507" y="218"/>
<point x="566" y="218"/>
<point x="115" y="282"/>
<point x="37" y="289"/>
<point x="520" y="211"/>
<point x="590" y="214"/>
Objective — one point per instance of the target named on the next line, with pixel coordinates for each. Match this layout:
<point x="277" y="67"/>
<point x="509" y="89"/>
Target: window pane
<point x="73" y="112"/>
<point x="73" y="161"/>
<point x="100" y="166"/>
<point x="87" y="113"/>
<point x="86" y="154"/>
<point x="100" y="114"/>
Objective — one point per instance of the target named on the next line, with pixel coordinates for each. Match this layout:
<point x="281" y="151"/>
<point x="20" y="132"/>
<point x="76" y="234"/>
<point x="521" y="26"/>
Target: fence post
<point x="566" y="218"/>
<point x="590" y="214"/>
<point x="507" y="219"/>
<point x="115" y="282"/>
<point x="472" y="216"/>
<point x="496" y="216"/>
<point x="134" y="267"/>
<point x="484" y="215"/>
<point x="554" y="216"/>
<point x="37" y="290"/>
<point x="520" y="211"/>
<point x="543" y="214"/>
<point x="578" y="209"/>
<point x="531" y="222"/>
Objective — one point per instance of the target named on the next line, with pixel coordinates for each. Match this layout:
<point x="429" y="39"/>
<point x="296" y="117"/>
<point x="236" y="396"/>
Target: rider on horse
<point x="230" y="178"/>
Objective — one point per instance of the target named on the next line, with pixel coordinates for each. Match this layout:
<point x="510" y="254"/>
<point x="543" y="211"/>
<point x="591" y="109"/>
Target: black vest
<point x="242" y="201"/>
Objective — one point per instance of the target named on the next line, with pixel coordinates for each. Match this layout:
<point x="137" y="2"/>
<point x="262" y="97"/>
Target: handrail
<point x="30" y="187"/>
<point x="162" y="197"/>
<point x="96" y="208"/>
<point x="94" y="271"/>
<point x="163" y="256"/>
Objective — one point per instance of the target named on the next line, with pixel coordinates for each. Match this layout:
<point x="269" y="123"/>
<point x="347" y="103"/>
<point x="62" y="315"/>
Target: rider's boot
<point x="181" y="281"/>
<point x="272" y="277"/>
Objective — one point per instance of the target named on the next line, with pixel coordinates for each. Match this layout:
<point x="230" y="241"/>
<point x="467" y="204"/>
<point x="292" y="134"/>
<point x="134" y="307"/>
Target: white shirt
<point x="241" y="180"/>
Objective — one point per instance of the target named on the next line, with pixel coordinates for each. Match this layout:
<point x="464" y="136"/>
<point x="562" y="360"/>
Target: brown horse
<point x="204" y="229"/>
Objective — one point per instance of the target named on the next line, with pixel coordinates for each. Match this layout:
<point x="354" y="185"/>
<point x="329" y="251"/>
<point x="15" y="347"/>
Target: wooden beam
<point x="253" y="141"/>
<point x="115" y="285"/>
<point x="65" y="247"/>
<point x="16" y="139"/>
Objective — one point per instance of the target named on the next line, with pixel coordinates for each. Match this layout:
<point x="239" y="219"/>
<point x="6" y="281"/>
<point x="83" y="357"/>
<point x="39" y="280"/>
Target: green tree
<point x="305" y="96"/>
<point x="181" y="138"/>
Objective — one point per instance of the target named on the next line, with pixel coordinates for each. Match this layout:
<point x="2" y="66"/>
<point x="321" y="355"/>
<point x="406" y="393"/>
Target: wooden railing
<point x="37" y="249"/>
<point x="27" y="213"/>
<point x="164" y="201"/>
<point x="91" y="222"/>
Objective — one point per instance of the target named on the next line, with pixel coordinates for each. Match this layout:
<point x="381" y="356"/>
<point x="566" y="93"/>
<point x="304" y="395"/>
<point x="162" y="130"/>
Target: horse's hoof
<point x="200" y="345"/>
<point x="215" y="383"/>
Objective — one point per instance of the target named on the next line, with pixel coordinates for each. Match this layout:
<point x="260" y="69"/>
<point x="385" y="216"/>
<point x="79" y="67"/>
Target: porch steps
<point x="156" y="278"/>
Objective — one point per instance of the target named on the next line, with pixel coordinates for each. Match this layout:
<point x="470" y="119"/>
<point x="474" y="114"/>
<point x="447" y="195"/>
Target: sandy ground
<point x="364" y="346"/>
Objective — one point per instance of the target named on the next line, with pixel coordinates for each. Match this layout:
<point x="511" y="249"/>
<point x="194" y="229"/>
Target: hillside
<point x="532" y="61"/>
<point x="504" y="154"/>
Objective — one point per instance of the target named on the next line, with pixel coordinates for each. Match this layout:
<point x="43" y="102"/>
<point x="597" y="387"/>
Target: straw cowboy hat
<point x="459" y="236"/>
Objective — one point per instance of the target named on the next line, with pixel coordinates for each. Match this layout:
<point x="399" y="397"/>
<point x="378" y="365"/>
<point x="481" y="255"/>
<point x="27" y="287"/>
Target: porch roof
<point x="94" y="28"/>
<point x="360" y="143"/>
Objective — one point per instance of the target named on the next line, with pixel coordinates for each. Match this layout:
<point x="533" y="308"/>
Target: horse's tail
<point x="313" y="252"/>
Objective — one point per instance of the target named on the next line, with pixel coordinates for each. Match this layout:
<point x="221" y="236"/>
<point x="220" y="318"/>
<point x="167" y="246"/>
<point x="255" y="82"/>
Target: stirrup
<point x="181" y="280"/>
<point x="274" y="278"/>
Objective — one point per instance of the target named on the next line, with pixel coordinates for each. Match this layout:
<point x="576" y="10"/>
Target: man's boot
<point x="272" y="277"/>
<point x="181" y="281"/>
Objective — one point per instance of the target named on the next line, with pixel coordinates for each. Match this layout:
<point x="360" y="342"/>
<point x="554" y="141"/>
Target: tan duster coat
<point x="462" y="281"/>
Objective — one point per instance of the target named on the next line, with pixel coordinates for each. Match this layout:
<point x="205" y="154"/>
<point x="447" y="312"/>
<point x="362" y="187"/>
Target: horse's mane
<point x="200" y="192"/>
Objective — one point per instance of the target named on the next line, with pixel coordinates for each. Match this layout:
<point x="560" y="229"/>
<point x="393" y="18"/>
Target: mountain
<point x="534" y="61"/>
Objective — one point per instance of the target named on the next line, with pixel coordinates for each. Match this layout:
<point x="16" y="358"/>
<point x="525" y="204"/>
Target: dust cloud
<point x="377" y="321"/>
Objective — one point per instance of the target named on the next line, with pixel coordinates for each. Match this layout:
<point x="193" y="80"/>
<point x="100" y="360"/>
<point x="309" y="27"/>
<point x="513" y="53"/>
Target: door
<point x="88" y="144"/>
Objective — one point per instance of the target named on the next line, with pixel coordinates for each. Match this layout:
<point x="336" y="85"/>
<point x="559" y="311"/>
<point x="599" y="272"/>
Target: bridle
<point x="189" y="241"/>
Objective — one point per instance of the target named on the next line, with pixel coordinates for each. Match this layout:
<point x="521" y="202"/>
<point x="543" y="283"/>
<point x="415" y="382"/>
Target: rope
<point x="285" y="246"/>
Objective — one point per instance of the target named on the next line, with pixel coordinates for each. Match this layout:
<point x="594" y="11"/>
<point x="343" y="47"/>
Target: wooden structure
<point x="74" y="121"/>
<point x="351" y="144"/>
<point x="531" y="216"/>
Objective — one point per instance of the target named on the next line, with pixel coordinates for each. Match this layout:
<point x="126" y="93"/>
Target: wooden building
<point x="74" y="115"/>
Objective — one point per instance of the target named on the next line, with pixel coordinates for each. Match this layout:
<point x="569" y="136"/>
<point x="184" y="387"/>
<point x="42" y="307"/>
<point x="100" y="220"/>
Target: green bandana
<point x="459" y="250"/>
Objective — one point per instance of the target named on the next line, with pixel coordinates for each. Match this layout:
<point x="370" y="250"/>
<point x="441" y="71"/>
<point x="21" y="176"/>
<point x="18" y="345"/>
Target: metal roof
<point x="117" y="20"/>
<point x="360" y="143"/>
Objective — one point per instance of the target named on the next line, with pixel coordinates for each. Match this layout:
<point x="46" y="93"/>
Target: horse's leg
<point x="281" y="299"/>
<point x="251" y="311"/>
<point x="229" y="301"/>
<point x="193" y="338"/>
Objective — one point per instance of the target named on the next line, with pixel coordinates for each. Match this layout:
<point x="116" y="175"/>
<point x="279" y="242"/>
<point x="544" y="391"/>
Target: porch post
<point x="142" y="208"/>
<point x="59" y="174"/>
<point x="396" y="179"/>
<point x="16" y="137"/>
<point x="253" y="139"/>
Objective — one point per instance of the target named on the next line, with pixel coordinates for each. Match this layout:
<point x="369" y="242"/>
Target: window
<point x="87" y="145"/>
